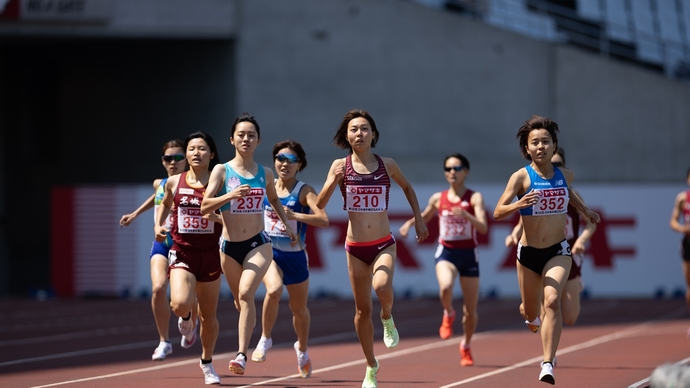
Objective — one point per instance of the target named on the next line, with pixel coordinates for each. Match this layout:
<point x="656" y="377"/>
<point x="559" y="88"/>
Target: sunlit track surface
<point x="108" y="342"/>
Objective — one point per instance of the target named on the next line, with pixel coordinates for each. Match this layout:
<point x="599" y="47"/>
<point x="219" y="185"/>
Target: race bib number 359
<point x="190" y="220"/>
<point x="365" y="199"/>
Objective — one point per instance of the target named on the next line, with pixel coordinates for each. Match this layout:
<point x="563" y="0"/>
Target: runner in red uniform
<point x="194" y="258"/>
<point x="461" y="215"/>
<point x="364" y="180"/>
<point x="681" y="210"/>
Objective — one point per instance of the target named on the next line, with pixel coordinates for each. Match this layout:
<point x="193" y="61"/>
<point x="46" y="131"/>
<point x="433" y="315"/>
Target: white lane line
<point x="324" y="339"/>
<point x="570" y="349"/>
<point x="105" y="349"/>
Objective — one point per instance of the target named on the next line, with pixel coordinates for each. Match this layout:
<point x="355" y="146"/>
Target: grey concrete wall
<point x="437" y="82"/>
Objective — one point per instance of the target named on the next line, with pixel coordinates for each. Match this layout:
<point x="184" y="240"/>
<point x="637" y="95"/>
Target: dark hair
<point x="248" y="118"/>
<point x="536" y="122"/>
<point x="295" y="147"/>
<point x="340" y="138"/>
<point x="463" y="160"/>
<point x="211" y="144"/>
<point x="561" y="152"/>
<point x="172" y="144"/>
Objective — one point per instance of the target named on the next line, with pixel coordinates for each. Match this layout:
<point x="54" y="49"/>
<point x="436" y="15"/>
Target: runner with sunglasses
<point x="460" y="215"/>
<point x="194" y="269"/>
<point x="174" y="162"/>
<point x="543" y="257"/>
<point x="238" y="188"/>
<point x="290" y="265"/>
<point x="570" y="297"/>
<point x="365" y="180"/>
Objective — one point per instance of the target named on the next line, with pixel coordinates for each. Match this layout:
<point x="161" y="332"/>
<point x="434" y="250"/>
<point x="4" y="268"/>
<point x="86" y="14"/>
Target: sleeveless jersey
<point x="365" y="192"/>
<point x="572" y="225"/>
<point x="686" y="208"/>
<point x="553" y="198"/>
<point x="454" y="231"/>
<point x="275" y="227"/>
<point x="251" y="203"/>
<point x="157" y="199"/>
<point x="189" y="228"/>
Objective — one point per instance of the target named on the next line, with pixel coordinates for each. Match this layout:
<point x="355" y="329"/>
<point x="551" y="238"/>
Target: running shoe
<point x="534" y="327"/>
<point x="465" y="356"/>
<point x="164" y="348"/>
<point x="188" y="341"/>
<point x="238" y="364"/>
<point x="446" y="329"/>
<point x="210" y="376"/>
<point x="303" y="362"/>
<point x="390" y="333"/>
<point x="370" y="377"/>
<point x="546" y="374"/>
<point x="259" y="354"/>
<point x="185" y="327"/>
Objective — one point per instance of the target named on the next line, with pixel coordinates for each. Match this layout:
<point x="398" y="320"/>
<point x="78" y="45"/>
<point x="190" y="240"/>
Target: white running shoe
<point x="210" y="376"/>
<point x="185" y="327"/>
<point x="164" y="348"/>
<point x="238" y="365"/>
<point x="259" y="354"/>
<point x="390" y="333"/>
<point x="546" y="374"/>
<point x="188" y="341"/>
<point x="303" y="361"/>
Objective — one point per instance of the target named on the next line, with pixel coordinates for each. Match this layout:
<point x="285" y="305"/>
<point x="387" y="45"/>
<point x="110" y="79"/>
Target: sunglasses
<point x="558" y="164"/>
<point x="454" y="168"/>
<point x="172" y="158"/>
<point x="282" y="158"/>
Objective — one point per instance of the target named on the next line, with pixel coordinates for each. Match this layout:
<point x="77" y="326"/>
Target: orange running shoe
<point x="534" y="325"/>
<point x="465" y="356"/>
<point x="446" y="329"/>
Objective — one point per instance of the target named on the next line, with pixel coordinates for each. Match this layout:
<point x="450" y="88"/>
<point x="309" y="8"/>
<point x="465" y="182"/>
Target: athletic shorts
<point x="295" y="266"/>
<point x="369" y="251"/>
<point x="203" y="264"/>
<point x="464" y="259"/>
<point x="535" y="259"/>
<point x="160" y="248"/>
<point x="685" y="248"/>
<point x="238" y="250"/>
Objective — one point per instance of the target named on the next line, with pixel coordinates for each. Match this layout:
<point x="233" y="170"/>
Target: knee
<point x="469" y="314"/>
<point x="179" y="309"/>
<point x="363" y="313"/>
<point x="552" y="302"/>
<point x="158" y="290"/>
<point x="245" y="296"/>
<point x="274" y="293"/>
<point x="569" y="319"/>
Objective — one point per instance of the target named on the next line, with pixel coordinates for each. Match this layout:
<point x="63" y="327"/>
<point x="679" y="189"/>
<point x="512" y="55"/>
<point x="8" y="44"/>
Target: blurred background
<point x="90" y="90"/>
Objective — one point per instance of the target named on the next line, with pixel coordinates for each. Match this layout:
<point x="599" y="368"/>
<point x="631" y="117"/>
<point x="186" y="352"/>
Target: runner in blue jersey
<point x="544" y="256"/>
<point x="290" y="265"/>
<point x="174" y="162"/>
<point x="237" y="188"/>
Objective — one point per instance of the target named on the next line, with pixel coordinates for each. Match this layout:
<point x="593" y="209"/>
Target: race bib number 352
<point x="551" y="201"/>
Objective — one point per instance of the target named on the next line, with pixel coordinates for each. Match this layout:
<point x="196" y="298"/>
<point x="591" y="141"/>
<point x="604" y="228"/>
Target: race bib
<point x="365" y="199"/>
<point x="252" y="203"/>
<point x="551" y="201"/>
<point x="454" y="228"/>
<point x="275" y="227"/>
<point x="190" y="220"/>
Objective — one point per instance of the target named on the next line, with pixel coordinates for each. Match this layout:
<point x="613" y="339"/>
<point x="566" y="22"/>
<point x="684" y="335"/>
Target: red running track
<point x="108" y="343"/>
